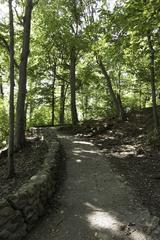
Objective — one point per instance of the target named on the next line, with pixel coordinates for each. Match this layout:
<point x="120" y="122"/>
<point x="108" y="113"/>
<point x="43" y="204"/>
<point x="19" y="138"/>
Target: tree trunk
<point x="122" y="114"/>
<point x="153" y="80"/>
<point x="85" y="107"/>
<point x="140" y="95"/>
<point x="73" y="86"/>
<point x="53" y="94"/>
<point x="20" y="113"/>
<point x="62" y="103"/>
<point x="30" y="111"/>
<point x="53" y="105"/>
<point x="1" y="90"/>
<point x="11" y="168"/>
<point x="116" y="100"/>
<point x="119" y="83"/>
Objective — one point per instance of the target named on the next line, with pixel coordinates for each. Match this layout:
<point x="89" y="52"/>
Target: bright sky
<point x="111" y="3"/>
<point x="4" y="8"/>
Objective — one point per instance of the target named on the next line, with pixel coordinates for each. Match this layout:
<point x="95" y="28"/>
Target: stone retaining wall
<point x="20" y="211"/>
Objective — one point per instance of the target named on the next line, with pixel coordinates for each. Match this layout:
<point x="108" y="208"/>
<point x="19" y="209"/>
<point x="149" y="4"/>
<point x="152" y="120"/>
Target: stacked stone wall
<point x="20" y="211"/>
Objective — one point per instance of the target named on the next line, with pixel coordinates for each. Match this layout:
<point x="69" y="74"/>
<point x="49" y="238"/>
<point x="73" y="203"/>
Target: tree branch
<point x="5" y="44"/>
<point x="21" y="22"/>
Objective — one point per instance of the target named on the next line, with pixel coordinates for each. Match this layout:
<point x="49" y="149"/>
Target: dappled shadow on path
<point x="94" y="203"/>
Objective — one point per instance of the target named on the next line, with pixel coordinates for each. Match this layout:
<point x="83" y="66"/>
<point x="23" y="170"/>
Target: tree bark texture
<point x="62" y="103"/>
<point x="153" y="80"/>
<point x="20" y="113"/>
<point x="116" y="99"/>
<point x="53" y="94"/>
<point x="73" y="86"/>
<point x="11" y="168"/>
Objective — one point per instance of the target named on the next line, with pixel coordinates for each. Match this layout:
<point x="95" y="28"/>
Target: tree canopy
<point x="78" y="59"/>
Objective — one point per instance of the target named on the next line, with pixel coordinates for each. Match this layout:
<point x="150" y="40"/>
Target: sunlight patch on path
<point x="84" y="151"/>
<point x="83" y="142"/>
<point x="94" y="202"/>
<point x="101" y="220"/>
<point x="78" y="160"/>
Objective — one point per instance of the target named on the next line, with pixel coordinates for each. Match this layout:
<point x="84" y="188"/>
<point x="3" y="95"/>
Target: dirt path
<point x="94" y="202"/>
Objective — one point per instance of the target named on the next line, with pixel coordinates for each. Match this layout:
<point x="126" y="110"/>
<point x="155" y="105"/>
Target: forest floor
<point x="27" y="162"/>
<point x="132" y="153"/>
<point x="112" y="179"/>
<point x="94" y="202"/>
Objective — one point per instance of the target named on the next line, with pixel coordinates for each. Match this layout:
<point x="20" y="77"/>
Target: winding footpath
<point x="94" y="202"/>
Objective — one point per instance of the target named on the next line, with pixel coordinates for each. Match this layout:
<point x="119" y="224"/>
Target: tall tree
<point x="116" y="99"/>
<point x="153" y="81"/>
<point x="11" y="168"/>
<point x="73" y="85"/>
<point x="143" y="20"/>
<point x="20" y="110"/>
<point x="54" y="72"/>
<point x="62" y="102"/>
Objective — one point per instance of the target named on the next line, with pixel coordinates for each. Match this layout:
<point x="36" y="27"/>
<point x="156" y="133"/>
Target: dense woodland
<point x="67" y="61"/>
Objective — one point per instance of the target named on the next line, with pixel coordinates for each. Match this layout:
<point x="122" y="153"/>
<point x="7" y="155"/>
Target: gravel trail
<point x="94" y="202"/>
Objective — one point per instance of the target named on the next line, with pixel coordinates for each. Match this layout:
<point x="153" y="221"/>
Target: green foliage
<point x="118" y="38"/>
<point x="41" y="116"/>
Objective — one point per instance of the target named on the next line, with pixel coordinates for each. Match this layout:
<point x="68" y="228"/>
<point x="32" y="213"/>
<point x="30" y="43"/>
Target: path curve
<point x="95" y="203"/>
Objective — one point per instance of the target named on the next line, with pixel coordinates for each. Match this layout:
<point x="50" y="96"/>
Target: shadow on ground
<point x="94" y="202"/>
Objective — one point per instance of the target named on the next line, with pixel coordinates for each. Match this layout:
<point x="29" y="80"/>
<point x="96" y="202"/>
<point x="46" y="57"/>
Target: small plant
<point x="153" y="139"/>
